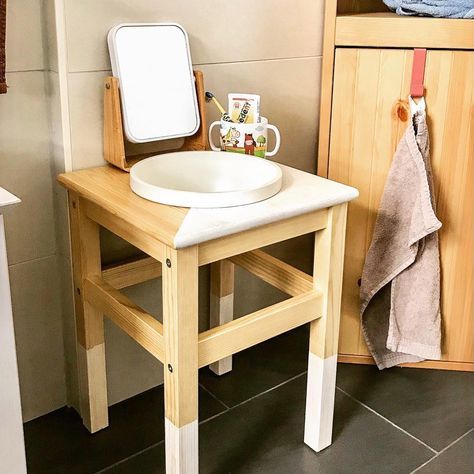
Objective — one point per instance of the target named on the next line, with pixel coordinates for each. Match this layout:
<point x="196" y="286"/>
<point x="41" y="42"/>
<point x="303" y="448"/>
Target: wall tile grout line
<point x="19" y="71"/>
<point x="217" y="415"/>
<point x="262" y="60"/>
<point x="388" y="421"/>
<point x="30" y="260"/>
<point x="442" y="451"/>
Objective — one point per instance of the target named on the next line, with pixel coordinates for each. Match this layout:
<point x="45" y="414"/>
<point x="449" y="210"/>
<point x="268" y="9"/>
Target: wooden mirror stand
<point x="114" y="140"/>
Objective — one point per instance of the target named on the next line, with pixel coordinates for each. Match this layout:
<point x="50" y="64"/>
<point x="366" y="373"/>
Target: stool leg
<point x="222" y="305"/>
<point x="180" y="327"/>
<point x="324" y="332"/>
<point x="90" y="347"/>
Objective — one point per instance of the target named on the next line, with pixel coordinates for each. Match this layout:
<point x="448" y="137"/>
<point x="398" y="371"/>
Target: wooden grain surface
<point x="109" y="188"/>
<point x="386" y="29"/>
<point x="370" y="114"/>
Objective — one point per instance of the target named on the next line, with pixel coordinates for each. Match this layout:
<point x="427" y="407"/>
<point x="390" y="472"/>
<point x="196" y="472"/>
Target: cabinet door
<point x="369" y="115"/>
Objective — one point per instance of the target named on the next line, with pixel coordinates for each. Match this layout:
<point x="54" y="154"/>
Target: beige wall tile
<point x="69" y="331"/>
<point x="219" y="31"/>
<point x="50" y="35"/>
<point x="131" y="369"/>
<point x="56" y="137"/>
<point x="289" y="92"/>
<point x="86" y="112"/>
<point x="290" y="99"/>
<point x="25" y="167"/>
<point x="25" y="51"/>
<point x="35" y="287"/>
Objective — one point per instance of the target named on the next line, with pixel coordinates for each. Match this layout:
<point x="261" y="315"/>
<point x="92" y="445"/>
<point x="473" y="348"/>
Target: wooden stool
<point x="178" y="241"/>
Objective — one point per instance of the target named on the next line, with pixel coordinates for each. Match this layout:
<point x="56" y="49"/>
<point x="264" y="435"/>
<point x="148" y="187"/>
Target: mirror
<point x="153" y="65"/>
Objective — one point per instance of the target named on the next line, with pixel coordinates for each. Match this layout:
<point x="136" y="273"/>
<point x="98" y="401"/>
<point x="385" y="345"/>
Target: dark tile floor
<point x="251" y="421"/>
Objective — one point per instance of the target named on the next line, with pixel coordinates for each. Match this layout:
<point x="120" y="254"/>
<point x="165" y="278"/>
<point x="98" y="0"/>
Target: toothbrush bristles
<point x="210" y="96"/>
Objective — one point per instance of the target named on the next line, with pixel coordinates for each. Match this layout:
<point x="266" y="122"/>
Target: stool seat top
<point x="180" y="227"/>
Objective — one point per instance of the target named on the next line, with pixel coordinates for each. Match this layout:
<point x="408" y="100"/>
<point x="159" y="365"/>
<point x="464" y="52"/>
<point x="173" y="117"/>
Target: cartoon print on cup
<point x="246" y="138"/>
<point x="231" y="138"/>
<point x="249" y="144"/>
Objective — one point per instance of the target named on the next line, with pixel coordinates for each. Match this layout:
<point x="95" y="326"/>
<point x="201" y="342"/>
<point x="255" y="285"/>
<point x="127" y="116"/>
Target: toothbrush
<point x="225" y="116"/>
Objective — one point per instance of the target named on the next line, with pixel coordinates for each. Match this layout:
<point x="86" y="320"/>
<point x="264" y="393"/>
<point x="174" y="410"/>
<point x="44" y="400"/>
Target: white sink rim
<point x="265" y="185"/>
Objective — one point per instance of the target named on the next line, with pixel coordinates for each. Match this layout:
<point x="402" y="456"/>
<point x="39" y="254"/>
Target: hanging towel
<point x="436" y="8"/>
<point x="400" y="285"/>
<point x="3" y="28"/>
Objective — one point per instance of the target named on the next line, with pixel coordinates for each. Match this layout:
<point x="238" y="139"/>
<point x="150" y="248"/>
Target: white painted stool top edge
<point x="7" y="198"/>
<point x="301" y="193"/>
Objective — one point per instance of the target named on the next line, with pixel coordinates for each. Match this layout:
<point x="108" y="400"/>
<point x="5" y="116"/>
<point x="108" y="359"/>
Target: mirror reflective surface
<point x="153" y="65"/>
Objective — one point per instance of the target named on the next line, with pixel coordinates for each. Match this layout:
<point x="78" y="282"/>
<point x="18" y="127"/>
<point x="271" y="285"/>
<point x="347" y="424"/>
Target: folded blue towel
<point x="437" y="8"/>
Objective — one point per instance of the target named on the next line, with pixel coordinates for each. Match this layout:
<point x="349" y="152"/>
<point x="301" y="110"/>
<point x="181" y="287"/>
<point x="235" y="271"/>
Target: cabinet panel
<point x="369" y="115"/>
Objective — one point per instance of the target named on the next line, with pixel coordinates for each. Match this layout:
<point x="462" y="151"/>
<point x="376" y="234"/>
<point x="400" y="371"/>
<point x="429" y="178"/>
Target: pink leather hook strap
<point x="418" y="73"/>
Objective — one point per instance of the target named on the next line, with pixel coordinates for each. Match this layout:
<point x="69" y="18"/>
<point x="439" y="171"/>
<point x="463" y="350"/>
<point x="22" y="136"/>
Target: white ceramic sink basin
<point x="205" y="179"/>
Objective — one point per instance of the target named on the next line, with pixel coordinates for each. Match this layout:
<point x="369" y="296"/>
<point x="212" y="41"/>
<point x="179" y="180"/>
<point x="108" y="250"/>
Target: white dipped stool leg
<point x="180" y="329"/>
<point x="324" y="332"/>
<point x="222" y="305"/>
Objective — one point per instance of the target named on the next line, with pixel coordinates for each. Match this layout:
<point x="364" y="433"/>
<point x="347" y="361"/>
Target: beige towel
<point x="400" y="287"/>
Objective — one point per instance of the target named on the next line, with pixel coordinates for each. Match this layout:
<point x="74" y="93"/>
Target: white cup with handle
<point x="246" y="138"/>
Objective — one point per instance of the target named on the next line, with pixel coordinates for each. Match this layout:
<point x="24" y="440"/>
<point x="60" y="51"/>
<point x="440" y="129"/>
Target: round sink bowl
<point x="205" y="179"/>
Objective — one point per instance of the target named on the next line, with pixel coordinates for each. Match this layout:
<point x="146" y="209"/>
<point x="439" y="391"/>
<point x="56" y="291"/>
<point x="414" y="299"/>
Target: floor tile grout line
<point x="213" y="396"/>
<point x="450" y="445"/>
<point x="268" y="391"/>
<point x="252" y="398"/>
<point x="144" y="450"/>
<point x="217" y="415"/>
<point x="388" y="421"/>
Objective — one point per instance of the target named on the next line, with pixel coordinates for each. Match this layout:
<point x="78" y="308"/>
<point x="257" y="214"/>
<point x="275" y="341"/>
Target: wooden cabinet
<point x="363" y="122"/>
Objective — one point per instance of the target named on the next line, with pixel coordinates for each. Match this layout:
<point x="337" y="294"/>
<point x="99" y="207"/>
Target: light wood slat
<point x="85" y="247"/>
<point x="328" y="265"/>
<point x="109" y="188"/>
<point x="388" y="30"/>
<point x="453" y="167"/>
<point x="330" y="9"/>
<point x="328" y="271"/>
<point x="124" y="274"/>
<point x="259" y="326"/>
<point x="427" y="364"/>
<point x="137" y="323"/>
<point x="145" y="242"/>
<point x="180" y="320"/>
<point x="221" y="305"/>
<point x="275" y="272"/>
<point x="90" y="349"/>
<point x="252" y="239"/>
<point x="370" y="110"/>
<point x="279" y="274"/>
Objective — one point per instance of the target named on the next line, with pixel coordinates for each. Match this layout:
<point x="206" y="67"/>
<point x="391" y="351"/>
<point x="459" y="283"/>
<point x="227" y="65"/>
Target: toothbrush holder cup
<point x="245" y="138"/>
